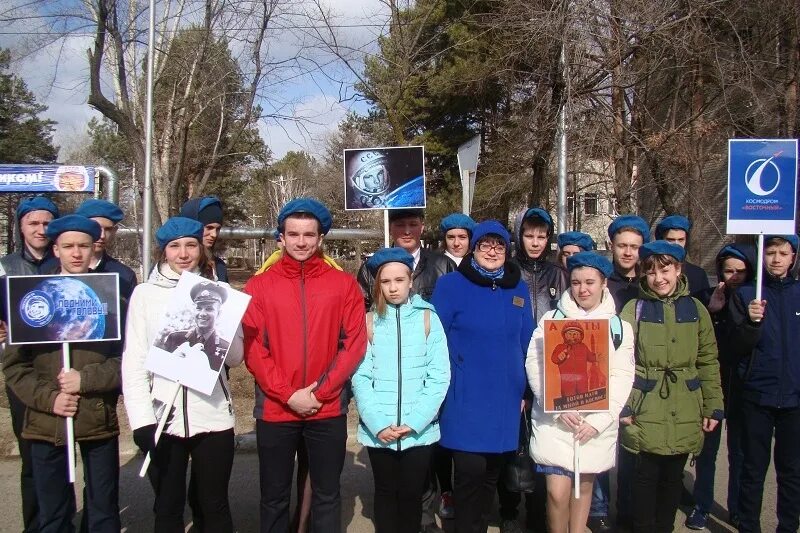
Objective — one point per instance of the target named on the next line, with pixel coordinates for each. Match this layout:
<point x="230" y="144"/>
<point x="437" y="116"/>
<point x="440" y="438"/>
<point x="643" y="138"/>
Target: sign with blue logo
<point x="46" y="178"/>
<point x="762" y="186"/>
<point x="63" y="308"/>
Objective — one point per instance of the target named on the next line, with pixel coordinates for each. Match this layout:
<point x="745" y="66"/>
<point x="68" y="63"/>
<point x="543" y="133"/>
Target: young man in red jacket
<point x="305" y="334"/>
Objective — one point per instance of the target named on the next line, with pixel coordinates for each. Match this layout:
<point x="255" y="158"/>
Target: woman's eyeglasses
<point x="485" y="247"/>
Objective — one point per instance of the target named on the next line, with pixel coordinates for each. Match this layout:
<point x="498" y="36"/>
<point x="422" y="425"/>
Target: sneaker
<point x="510" y="526"/>
<point x="697" y="519"/>
<point x="446" y="509"/>
<point x="599" y="524"/>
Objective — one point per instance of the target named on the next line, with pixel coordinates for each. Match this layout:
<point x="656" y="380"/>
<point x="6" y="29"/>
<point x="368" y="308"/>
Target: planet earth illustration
<point x="410" y="194"/>
<point x="77" y="312"/>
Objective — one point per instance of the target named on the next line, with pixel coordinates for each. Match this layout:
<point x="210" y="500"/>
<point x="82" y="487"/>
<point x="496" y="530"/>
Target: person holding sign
<point x="87" y="392"/>
<point x="199" y="426"/>
<point x="485" y="309"/>
<point x="676" y="395"/>
<point x="765" y="335"/>
<point x="32" y="215"/>
<point x="399" y="387"/>
<point x="554" y="435"/>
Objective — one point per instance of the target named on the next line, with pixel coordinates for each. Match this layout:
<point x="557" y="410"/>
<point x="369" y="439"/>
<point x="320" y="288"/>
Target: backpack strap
<point x="616" y="331"/>
<point x="427" y="318"/>
<point x="370" y="326"/>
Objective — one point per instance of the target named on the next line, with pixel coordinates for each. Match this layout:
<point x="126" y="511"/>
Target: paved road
<point x="136" y="495"/>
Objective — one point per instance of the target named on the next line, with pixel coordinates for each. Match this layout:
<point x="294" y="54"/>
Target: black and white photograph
<point x="195" y="333"/>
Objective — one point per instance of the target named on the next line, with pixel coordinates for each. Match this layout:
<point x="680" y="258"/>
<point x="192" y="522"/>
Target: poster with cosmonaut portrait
<point x="576" y="365"/>
<point x="196" y="331"/>
<point x="63" y="308"/>
<point x="384" y="178"/>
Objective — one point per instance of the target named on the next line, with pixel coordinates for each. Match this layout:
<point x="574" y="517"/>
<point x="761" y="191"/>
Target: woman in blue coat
<point x="399" y="387"/>
<point x="485" y="309"/>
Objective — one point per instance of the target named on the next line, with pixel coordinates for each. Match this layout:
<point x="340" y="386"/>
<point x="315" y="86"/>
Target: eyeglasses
<point x="485" y="247"/>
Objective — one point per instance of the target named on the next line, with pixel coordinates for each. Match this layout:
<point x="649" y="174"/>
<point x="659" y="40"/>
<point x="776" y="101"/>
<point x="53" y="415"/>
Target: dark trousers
<point x="534" y="502"/>
<point x="475" y="481"/>
<point x="733" y="425"/>
<point x="626" y="463"/>
<point x="656" y="488"/>
<point x="759" y="425"/>
<point x="277" y="446"/>
<point x="705" y="467"/>
<point x="56" y="495"/>
<point x="400" y="478"/>
<point x="601" y="491"/>
<point x="212" y="461"/>
<point x="30" y="509"/>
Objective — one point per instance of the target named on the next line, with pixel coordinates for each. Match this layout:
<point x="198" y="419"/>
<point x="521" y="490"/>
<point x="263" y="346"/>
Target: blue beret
<point x="310" y="206"/>
<point x="457" y="221"/>
<point x="576" y="238"/>
<point x="590" y="259"/>
<point x="629" y="221"/>
<point x="732" y="250"/>
<point x="397" y="214"/>
<point x="672" y="222"/>
<point x="389" y="255"/>
<point x="36" y="203"/>
<point x="791" y="239"/>
<point x="538" y="212"/>
<point x="177" y="227"/>
<point x="489" y="227"/>
<point x="662" y="248"/>
<point x="73" y="223"/>
<point x="100" y="208"/>
<point x="206" y="209"/>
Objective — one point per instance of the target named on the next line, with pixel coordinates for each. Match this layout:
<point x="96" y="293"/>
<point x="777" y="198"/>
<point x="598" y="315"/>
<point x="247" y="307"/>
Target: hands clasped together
<point x="575" y="423"/>
<point x="303" y="402"/>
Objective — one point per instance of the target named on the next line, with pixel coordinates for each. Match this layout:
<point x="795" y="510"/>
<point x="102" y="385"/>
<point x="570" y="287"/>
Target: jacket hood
<point x="646" y="293"/>
<point x="571" y="309"/>
<point x="745" y="252"/>
<point x="163" y="276"/>
<point x="519" y="249"/>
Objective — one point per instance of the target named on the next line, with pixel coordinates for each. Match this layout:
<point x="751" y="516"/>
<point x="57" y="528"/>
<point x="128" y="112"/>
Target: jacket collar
<point x="509" y="280"/>
<point x="681" y="289"/>
<point x="570" y="308"/>
<point x="292" y="268"/>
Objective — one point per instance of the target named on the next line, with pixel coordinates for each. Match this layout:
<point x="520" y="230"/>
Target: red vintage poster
<point x="576" y="365"/>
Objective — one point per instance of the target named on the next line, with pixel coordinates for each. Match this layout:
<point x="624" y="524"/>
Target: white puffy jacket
<point x="145" y="392"/>
<point x="551" y="442"/>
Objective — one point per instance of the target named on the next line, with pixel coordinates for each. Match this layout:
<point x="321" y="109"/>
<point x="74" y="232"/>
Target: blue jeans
<point x="600" y="495"/>
<point x="56" y="495"/>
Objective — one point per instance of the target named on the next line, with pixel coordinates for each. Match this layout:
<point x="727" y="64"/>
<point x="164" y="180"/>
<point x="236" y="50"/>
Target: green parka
<point x="677" y="381"/>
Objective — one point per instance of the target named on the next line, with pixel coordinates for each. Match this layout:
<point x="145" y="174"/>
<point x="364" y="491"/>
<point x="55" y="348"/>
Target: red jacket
<point x="305" y="323"/>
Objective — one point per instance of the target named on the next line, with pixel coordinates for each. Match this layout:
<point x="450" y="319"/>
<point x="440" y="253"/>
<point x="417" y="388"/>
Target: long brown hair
<point x="205" y="264"/>
<point x="378" y="299"/>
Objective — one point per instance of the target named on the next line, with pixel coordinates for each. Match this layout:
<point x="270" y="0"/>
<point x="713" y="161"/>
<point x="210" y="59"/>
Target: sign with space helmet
<point x="576" y="365"/>
<point x="384" y="178"/>
<point x="63" y="308"/>
<point x="762" y="186"/>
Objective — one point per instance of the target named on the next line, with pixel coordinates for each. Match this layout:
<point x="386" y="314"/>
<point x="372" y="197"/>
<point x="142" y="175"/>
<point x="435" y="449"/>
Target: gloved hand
<point x="145" y="438"/>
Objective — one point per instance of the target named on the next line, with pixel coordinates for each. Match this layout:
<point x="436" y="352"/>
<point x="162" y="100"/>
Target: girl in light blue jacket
<point x="399" y="388"/>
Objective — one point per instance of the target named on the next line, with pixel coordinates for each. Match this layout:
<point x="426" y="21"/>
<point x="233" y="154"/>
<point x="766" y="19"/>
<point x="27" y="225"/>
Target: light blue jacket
<point x="402" y="382"/>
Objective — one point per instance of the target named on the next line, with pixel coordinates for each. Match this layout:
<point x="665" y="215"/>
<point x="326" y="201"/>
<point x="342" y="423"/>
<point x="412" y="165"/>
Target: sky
<point x="311" y="104"/>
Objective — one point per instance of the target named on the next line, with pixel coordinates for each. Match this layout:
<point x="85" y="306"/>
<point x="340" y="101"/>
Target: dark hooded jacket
<point x="545" y="279"/>
<point x="22" y="263"/>
<point x="767" y="353"/>
<point x="431" y="266"/>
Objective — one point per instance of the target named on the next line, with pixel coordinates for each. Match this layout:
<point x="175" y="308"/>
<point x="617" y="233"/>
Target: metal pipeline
<point x="339" y="234"/>
<point x="111" y="186"/>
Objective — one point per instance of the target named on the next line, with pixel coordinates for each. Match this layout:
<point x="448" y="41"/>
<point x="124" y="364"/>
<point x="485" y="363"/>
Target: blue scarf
<point x="497" y="274"/>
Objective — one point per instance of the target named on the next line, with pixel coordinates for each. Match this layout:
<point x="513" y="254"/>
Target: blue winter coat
<point x="403" y="377"/>
<point x="769" y="364"/>
<point x="489" y="325"/>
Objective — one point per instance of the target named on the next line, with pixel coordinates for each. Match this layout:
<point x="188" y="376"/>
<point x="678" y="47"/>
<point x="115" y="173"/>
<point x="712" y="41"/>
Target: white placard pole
<point x="576" y="452"/>
<point x="69" y="421"/>
<point x="760" y="269"/>
<point x="386" y="228"/>
<point x="161" y="423"/>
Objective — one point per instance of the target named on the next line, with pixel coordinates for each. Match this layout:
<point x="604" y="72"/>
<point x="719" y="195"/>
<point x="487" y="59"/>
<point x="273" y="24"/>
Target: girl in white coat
<point x="553" y="435"/>
<point x="199" y="426"/>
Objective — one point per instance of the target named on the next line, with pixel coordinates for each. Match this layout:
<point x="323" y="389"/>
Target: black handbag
<point x="519" y="474"/>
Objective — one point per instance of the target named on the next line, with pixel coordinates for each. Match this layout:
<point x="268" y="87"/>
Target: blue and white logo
<point x="36" y="309"/>
<point x="760" y="170"/>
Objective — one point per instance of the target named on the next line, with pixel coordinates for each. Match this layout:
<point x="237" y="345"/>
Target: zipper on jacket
<point x="185" y="412"/>
<point x="783" y="346"/>
<point x="399" y="376"/>
<point x="305" y="324"/>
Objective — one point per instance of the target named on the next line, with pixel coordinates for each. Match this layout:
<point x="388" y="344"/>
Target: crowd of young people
<point x="443" y="352"/>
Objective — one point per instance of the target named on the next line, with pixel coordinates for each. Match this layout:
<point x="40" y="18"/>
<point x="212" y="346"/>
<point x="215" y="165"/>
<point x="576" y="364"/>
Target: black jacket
<point x="22" y="263"/>
<point x="623" y="289"/>
<point x="432" y="265"/>
<point x="697" y="277"/>
<point x="545" y="280"/>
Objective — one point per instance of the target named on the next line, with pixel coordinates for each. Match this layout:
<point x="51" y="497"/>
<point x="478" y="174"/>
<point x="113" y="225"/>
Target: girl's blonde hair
<point x="378" y="299"/>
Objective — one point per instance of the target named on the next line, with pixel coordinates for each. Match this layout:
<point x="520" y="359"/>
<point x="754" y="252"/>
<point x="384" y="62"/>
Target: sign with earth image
<point x="63" y="308"/>
<point x="384" y="178"/>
